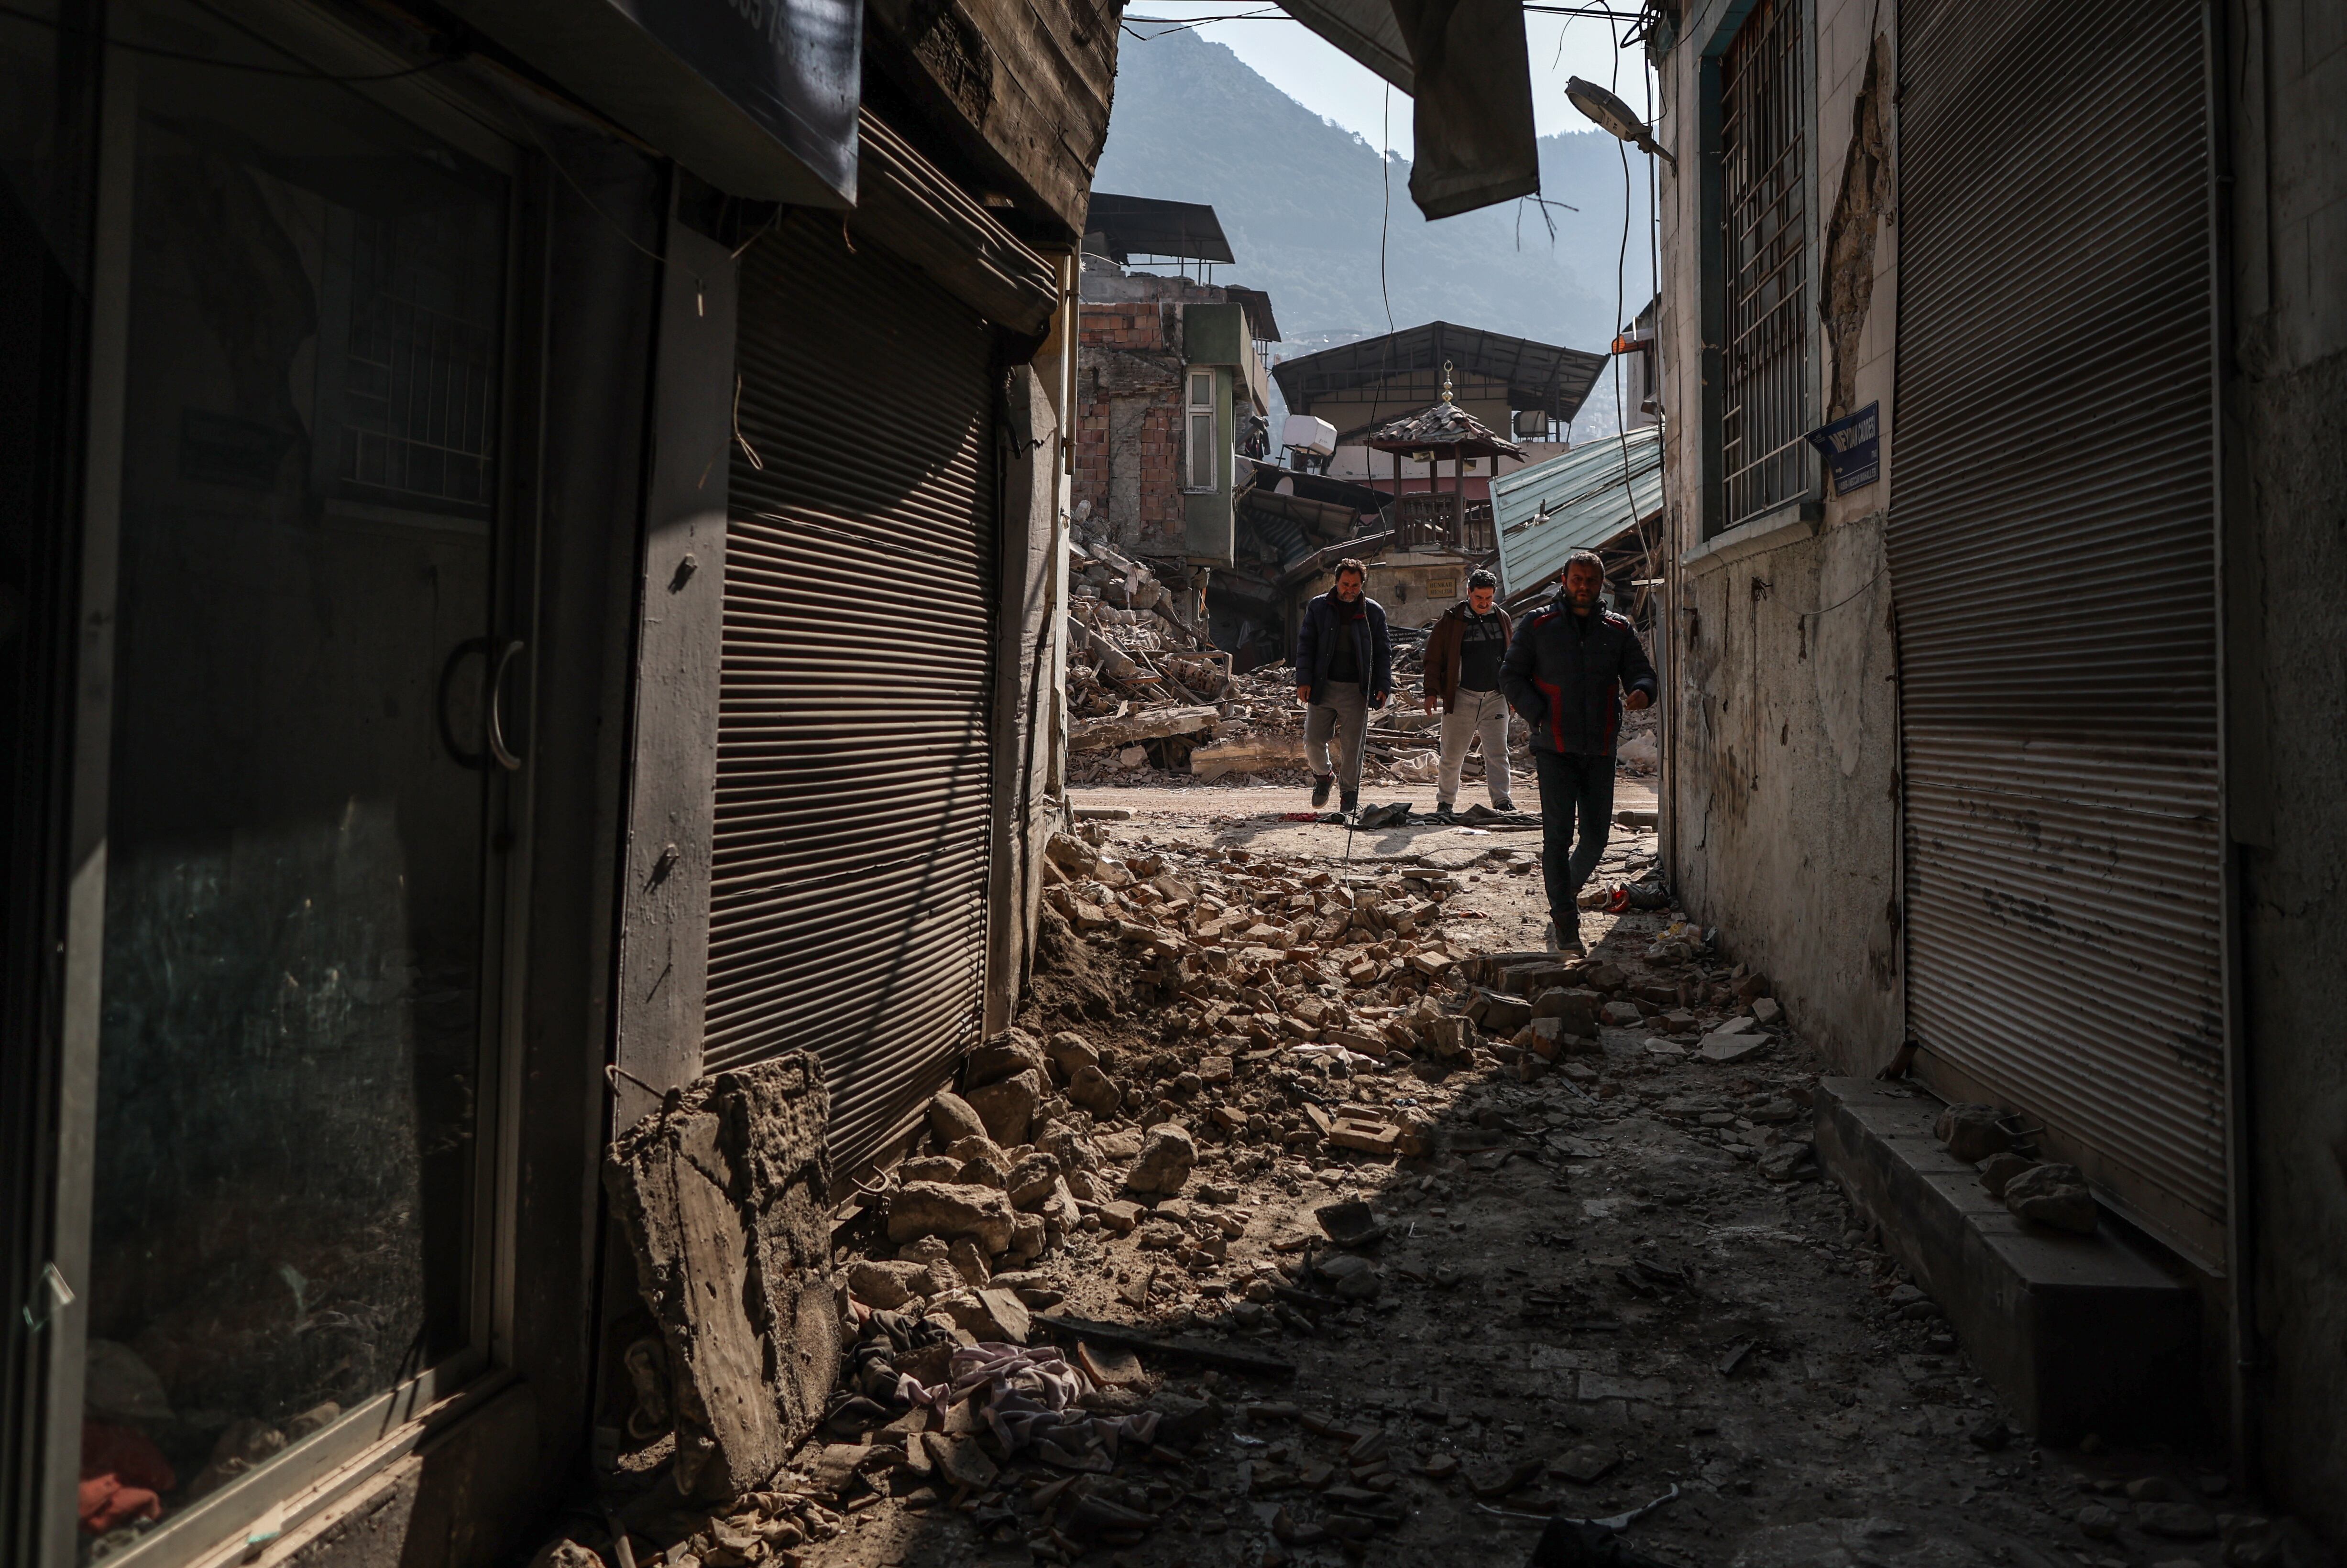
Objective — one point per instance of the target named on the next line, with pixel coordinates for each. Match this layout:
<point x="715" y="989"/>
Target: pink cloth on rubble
<point x="1032" y="1399"/>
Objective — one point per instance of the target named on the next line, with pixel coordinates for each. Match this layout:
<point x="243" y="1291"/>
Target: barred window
<point x="1765" y="454"/>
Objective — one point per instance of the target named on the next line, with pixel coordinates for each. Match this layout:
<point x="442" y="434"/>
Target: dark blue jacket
<point x="1567" y="680"/>
<point x="1316" y="640"/>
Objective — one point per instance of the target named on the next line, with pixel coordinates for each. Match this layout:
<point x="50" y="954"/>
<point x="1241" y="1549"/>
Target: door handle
<point x="498" y="747"/>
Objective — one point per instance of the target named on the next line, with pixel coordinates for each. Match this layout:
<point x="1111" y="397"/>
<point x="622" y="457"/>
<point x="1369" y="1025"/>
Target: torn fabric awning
<point x="1463" y="63"/>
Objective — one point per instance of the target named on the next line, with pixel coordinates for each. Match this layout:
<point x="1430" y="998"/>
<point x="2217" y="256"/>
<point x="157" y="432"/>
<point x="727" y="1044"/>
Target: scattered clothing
<point x="123" y="1476"/>
<point x="1033" y="1395"/>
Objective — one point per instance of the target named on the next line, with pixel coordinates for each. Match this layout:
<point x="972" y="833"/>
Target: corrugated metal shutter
<point x="2052" y="542"/>
<point x="848" y="908"/>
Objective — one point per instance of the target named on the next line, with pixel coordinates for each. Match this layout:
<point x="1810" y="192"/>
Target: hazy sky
<point x="1328" y="84"/>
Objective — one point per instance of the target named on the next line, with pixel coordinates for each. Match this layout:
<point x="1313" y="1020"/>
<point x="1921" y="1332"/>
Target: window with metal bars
<point x="1765" y="455"/>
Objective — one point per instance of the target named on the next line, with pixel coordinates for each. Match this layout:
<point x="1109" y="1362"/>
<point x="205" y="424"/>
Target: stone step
<point x="2077" y="1334"/>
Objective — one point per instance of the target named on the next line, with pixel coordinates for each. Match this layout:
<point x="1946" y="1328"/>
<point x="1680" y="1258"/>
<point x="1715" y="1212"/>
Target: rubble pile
<point x="1290" y="1226"/>
<point x="1151" y="701"/>
<point x="1143" y="680"/>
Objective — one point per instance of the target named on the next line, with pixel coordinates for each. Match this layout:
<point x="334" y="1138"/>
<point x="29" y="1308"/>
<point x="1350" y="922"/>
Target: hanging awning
<point x="1464" y="65"/>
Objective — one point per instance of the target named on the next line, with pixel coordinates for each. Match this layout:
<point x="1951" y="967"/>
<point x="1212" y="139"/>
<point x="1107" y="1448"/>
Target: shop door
<point x="2052" y="542"/>
<point x="847" y="912"/>
<point x="303" y="792"/>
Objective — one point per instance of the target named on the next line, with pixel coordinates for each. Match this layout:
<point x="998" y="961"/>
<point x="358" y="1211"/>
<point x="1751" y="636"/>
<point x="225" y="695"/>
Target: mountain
<point x="1303" y="204"/>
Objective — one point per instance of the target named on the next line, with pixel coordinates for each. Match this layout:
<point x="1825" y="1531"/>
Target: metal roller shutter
<point x="847" y="907"/>
<point x="2052" y="542"/>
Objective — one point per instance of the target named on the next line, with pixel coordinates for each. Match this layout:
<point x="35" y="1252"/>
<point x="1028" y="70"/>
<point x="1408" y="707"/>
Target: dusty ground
<point x="1588" y="1287"/>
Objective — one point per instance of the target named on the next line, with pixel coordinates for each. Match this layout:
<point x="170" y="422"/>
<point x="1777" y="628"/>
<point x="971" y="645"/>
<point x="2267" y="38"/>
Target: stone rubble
<point x="1409" y="1245"/>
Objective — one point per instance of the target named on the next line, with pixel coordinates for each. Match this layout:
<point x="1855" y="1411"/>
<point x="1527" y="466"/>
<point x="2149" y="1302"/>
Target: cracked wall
<point x="1784" y="829"/>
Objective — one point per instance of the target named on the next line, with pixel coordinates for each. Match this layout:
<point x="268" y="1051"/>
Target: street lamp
<point x="1614" y="115"/>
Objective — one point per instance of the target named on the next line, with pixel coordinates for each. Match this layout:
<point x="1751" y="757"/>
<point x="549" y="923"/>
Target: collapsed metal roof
<point x="1120" y="227"/>
<point x="1540" y="376"/>
<point x="1262" y="325"/>
<point x="1576" y="501"/>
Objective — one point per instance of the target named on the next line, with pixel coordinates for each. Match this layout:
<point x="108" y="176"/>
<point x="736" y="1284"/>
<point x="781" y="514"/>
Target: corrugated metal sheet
<point x="2051" y="544"/>
<point x="847" y="912"/>
<point x="1586" y="503"/>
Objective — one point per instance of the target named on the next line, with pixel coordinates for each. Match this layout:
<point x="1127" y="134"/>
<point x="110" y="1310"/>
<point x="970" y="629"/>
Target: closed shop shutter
<point x="2051" y="543"/>
<point x="847" y="906"/>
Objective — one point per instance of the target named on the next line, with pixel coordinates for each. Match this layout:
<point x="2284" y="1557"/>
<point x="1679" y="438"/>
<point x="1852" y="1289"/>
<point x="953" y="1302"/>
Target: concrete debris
<point x="2177" y="1521"/>
<point x="1006" y="1106"/>
<point x="2054" y="1194"/>
<point x="1972" y="1133"/>
<point x="723" y="1196"/>
<point x="1335" y="1230"/>
<point x="1168" y="1153"/>
<point x="949" y="1209"/>
<point x="951" y="1119"/>
<point x="2001" y="1168"/>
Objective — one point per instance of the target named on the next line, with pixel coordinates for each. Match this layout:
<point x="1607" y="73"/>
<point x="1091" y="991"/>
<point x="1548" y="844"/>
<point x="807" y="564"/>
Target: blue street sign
<point x="1853" y="449"/>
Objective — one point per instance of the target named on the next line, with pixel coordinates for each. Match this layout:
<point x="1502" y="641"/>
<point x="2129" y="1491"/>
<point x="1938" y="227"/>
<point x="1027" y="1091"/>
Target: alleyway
<point x="1606" y="1278"/>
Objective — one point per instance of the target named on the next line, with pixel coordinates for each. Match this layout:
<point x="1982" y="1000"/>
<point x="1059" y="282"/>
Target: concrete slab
<point x="2078" y="1334"/>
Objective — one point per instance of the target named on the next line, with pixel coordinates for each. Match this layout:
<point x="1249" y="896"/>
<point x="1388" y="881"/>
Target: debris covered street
<point x="1397" y="1287"/>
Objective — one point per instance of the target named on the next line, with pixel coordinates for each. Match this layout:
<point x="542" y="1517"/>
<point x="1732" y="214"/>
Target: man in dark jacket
<point x="1567" y="672"/>
<point x="1344" y="668"/>
<point x="1463" y="673"/>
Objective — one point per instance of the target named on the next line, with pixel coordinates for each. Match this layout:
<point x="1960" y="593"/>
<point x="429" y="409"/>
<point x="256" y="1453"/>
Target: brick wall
<point x="1129" y="410"/>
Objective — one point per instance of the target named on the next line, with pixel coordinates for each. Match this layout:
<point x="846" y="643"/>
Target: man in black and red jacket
<point x="1571" y="668"/>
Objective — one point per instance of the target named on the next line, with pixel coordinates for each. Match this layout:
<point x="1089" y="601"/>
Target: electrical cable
<point x="529" y="129"/>
<point x="304" y="72"/>
<point x="1621" y="290"/>
<point x="1385" y="216"/>
<point x="1860" y="590"/>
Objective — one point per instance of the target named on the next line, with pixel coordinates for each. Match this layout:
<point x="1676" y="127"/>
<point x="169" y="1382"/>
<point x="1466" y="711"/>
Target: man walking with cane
<point x="1567" y="672"/>
<point x="1462" y="673"/>
<point x="1344" y="668"/>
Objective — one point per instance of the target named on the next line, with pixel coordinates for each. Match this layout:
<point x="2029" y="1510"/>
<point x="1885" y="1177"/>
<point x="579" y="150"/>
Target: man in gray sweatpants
<point x="1463" y="673"/>
<point x="1344" y="668"/>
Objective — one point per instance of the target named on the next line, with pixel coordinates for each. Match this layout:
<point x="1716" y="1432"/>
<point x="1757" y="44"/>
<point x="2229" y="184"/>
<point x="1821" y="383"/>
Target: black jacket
<point x="1316" y="640"/>
<point x="1567" y="680"/>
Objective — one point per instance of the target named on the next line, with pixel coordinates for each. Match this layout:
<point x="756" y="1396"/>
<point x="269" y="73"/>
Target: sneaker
<point x="1442" y="812"/>
<point x="1506" y="807"/>
<point x="1321" y="784"/>
<point x="1559" y="943"/>
<point x="1349" y="801"/>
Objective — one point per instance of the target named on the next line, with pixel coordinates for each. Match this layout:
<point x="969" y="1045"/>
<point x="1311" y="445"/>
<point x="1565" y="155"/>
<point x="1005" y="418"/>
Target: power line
<point x="303" y="72"/>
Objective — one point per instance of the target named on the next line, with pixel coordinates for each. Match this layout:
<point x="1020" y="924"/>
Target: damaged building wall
<point x="1783" y="823"/>
<point x="1140" y="336"/>
<point x="1027" y="687"/>
<point x="1128" y="422"/>
<point x="723" y="1196"/>
<point x="2286" y="585"/>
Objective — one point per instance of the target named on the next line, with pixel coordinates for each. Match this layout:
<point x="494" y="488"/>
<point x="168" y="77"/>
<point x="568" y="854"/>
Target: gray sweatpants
<point x="1477" y="712"/>
<point x="1339" y="707"/>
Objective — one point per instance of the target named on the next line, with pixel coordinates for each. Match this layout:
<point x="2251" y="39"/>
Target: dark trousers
<point x="1571" y="783"/>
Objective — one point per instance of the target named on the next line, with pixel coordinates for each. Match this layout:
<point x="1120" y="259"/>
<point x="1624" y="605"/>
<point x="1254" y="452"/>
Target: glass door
<point x="296" y="994"/>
